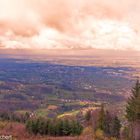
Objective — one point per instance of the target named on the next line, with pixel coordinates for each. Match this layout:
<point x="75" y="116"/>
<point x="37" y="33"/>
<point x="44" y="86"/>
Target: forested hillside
<point x="90" y="124"/>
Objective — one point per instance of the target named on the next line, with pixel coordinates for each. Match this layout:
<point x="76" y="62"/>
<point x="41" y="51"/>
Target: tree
<point x="58" y="128"/>
<point x="133" y="104"/>
<point x="32" y="126"/>
<point x="76" y="128"/>
<point x="101" y="120"/>
<point x="79" y="128"/>
<point x="51" y="128"/>
<point x="115" y="127"/>
<point x="133" y="112"/>
<point x="29" y="125"/>
<point x="108" y="119"/>
<point x="88" y="115"/>
<point x="41" y="126"/>
<point x="35" y="126"/>
<point x="66" y="128"/>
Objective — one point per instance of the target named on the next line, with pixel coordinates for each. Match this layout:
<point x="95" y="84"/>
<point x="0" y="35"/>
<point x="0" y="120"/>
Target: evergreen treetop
<point x="133" y="104"/>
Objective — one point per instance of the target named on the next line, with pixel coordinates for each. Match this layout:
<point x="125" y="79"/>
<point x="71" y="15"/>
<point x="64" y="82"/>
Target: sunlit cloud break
<point x="53" y="24"/>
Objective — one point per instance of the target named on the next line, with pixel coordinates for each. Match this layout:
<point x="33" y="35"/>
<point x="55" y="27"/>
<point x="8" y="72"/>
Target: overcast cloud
<point x="43" y="24"/>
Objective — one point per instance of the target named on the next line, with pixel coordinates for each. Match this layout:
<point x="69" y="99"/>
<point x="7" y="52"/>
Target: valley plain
<point x="36" y="80"/>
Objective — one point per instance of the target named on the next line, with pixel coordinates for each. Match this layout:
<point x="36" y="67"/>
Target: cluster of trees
<point x="54" y="127"/>
<point x="103" y="120"/>
<point x="109" y="124"/>
<point x="16" y="117"/>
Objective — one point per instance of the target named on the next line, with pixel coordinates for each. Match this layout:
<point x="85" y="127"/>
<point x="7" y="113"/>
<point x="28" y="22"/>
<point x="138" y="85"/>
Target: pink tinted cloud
<point x="50" y="24"/>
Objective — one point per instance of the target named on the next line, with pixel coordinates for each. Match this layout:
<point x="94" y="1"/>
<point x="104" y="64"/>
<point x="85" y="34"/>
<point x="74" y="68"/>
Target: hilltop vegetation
<point x="94" y="124"/>
<point x="46" y="100"/>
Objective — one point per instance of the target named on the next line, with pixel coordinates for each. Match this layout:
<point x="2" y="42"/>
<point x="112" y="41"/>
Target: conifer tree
<point x="76" y="128"/>
<point x="66" y="128"/>
<point x="88" y="115"/>
<point x="29" y="125"/>
<point x="41" y="126"/>
<point x="133" y="104"/>
<point x="116" y="126"/>
<point x="108" y="119"/>
<point x="101" y="120"/>
<point x="133" y="112"/>
<point x="79" y="128"/>
<point x="51" y="129"/>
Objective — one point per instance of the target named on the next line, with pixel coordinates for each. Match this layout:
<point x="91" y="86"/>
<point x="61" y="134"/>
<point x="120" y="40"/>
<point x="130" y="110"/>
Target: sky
<point x="53" y="24"/>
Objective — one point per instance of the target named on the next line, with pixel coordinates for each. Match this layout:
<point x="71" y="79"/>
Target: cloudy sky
<point x="50" y="24"/>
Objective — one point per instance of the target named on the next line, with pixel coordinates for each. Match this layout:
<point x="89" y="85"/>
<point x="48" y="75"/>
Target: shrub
<point x="88" y="131"/>
<point x="99" y="134"/>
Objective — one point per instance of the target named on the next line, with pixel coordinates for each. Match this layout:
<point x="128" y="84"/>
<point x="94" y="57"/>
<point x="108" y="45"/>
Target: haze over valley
<point x="39" y="75"/>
